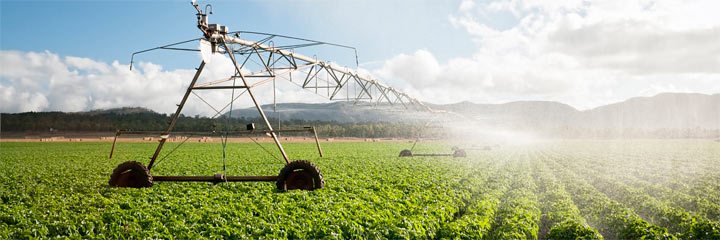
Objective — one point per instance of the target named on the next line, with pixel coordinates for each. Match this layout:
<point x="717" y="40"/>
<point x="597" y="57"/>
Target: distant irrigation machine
<point x="456" y="151"/>
<point x="256" y="63"/>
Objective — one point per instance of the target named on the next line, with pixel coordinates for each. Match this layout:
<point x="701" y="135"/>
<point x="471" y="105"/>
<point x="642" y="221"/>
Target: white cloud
<point x="31" y="81"/>
<point x="584" y="53"/>
<point x="467" y="5"/>
<point x="426" y="68"/>
<point x="21" y="101"/>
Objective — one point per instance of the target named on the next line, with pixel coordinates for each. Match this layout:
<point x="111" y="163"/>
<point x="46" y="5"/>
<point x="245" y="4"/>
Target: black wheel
<point x="300" y="174"/>
<point x="405" y="153"/>
<point x="459" y="153"/>
<point x="131" y="174"/>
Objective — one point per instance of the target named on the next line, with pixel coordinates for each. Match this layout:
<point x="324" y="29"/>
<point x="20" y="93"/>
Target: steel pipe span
<point x="291" y="57"/>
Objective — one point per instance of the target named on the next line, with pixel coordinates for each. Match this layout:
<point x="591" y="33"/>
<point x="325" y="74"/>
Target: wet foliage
<point x="546" y="190"/>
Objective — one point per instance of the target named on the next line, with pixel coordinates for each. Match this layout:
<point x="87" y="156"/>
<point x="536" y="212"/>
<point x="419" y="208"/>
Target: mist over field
<point x="666" y="115"/>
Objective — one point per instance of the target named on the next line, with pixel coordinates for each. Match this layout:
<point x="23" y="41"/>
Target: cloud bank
<point x="32" y="81"/>
<point x="584" y="53"/>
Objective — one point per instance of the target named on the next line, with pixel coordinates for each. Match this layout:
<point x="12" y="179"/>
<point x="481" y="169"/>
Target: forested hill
<point x="99" y="120"/>
<point x="141" y="119"/>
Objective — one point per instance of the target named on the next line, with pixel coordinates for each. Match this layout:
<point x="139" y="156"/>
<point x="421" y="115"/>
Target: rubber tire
<point x="304" y="173"/>
<point x="131" y="174"/>
<point x="459" y="153"/>
<point x="405" y="153"/>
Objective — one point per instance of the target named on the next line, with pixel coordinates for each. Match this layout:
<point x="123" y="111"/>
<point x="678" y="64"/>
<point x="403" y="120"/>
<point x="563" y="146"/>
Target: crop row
<point x="519" y="213"/>
<point x="609" y="217"/>
<point x="705" y="206"/>
<point x="560" y="217"/>
<point x="686" y="166"/>
<point x="483" y="190"/>
<point x="675" y="219"/>
<point x="697" y="192"/>
<point x="693" y="204"/>
<point x="685" y="169"/>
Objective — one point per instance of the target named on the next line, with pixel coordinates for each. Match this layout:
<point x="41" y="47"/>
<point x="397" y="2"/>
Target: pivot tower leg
<point x="176" y="116"/>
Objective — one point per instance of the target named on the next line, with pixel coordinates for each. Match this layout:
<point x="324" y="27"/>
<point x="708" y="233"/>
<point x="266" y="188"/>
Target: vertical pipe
<point x="275" y="105"/>
<point x="317" y="142"/>
<point x="177" y="114"/>
<point x="117" y="133"/>
<point x="259" y="108"/>
<point x="414" y="143"/>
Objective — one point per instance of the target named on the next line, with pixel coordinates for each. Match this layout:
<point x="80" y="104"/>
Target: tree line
<point x="133" y="120"/>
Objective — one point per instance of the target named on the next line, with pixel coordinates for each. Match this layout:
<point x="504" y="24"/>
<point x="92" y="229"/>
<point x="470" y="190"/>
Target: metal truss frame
<point x="259" y="62"/>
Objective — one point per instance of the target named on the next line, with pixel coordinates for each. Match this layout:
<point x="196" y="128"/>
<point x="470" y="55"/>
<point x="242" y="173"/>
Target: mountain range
<point x="662" y="111"/>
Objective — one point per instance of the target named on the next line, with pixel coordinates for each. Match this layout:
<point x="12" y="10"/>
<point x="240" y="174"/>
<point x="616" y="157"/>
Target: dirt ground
<point x="110" y="136"/>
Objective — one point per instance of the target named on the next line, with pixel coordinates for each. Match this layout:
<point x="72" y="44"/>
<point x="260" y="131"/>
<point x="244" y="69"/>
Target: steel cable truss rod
<point x="166" y="47"/>
<point x="309" y="42"/>
<point x="336" y="78"/>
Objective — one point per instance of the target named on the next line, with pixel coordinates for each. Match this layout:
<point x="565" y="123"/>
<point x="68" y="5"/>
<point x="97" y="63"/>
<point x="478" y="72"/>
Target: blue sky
<point x="74" y="55"/>
<point x="112" y="30"/>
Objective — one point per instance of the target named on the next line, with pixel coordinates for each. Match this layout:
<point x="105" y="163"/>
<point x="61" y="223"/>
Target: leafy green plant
<point x="550" y="190"/>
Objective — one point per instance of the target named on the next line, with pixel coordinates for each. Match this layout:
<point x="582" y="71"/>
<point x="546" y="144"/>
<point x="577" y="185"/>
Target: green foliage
<point x="636" y="228"/>
<point x="561" y="218"/>
<point x="572" y="230"/>
<point x="519" y="214"/>
<point x="553" y="190"/>
<point x="674" y="220"/>
<point x="704" y="230"/>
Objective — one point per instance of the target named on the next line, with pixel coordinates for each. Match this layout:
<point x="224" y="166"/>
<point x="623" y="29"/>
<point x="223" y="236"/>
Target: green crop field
<point x="662" y="189"/>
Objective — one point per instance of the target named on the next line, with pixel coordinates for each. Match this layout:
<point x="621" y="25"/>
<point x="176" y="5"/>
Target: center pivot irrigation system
<point x="456" y="151"/>
<point x="257" y="62"/>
